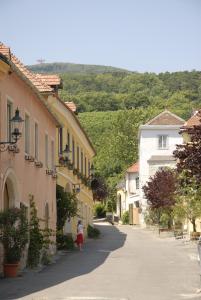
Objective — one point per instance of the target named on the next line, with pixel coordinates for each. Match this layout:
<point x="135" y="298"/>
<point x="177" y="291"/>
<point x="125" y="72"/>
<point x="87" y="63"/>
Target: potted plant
<point x="14" y="237"/>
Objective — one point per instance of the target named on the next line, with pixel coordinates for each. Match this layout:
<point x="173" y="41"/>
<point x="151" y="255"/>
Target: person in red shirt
<point x="80" y="235"/>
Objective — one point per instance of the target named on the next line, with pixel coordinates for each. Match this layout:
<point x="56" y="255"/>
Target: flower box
<point x="38" y="164"/>
<point x="29" y="158"/>
<point x="49" y="172"/>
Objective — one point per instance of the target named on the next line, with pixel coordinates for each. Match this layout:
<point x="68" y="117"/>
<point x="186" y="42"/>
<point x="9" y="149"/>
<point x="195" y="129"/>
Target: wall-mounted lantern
<point x="65" y="157"/>
<point x="16" y="124"/>
<point x="76" y="188"/>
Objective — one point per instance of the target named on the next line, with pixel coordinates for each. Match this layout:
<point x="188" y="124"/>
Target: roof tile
<point x="194" y="120"/>
<point x="134" y="168"/>
<point x="71" y="106"/>
<point x="37" y="82"/>
<point x="166" y="118"/>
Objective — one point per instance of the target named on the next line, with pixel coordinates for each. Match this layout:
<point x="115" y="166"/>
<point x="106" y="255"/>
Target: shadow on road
<point x="67" y="267"/>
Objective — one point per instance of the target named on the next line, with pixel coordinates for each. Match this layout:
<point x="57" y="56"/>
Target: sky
<point x="138" y="35"/>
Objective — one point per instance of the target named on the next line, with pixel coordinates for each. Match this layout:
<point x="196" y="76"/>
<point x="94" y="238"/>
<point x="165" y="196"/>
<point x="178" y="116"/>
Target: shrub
<point x="125" y="218"/>
<point x="64" y="242"/>
<point x="100" y="210"/>
<point x="93" y="232"/>
<point x="13" y="233"/>
<point x="35" y="236"/>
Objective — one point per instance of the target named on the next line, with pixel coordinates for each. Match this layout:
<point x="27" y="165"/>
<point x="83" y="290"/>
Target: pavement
<point x="125" y="263"/>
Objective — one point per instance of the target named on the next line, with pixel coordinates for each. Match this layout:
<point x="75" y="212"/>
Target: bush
<point x="92" y="232"/>
<point x="13" y="233"/>
<point x="100" y="210"/>
<point x="125" y="218"/>
<point x="64" y="242"/>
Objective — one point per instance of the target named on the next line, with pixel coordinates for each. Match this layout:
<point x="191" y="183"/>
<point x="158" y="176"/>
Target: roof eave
<point x="36" y="91"/>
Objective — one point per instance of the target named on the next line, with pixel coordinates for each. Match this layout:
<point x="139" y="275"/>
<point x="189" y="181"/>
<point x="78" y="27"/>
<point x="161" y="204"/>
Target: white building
<point x="128" y="194"/>
<point x="157" y="141"/>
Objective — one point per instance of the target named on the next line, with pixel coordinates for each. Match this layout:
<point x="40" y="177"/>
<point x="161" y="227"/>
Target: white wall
<point x="148" y="146"/>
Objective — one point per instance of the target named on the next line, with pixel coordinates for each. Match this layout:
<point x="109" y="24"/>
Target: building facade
<point x="27" y="170"/>
<point x="128" y="194"/>
<point x="81" y="152"/>
<point x="157" y="141"/>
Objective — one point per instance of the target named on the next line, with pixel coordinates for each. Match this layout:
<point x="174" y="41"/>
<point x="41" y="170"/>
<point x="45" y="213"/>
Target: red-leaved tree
<point x="189" y="153"/>
<point x="159" y="191"/>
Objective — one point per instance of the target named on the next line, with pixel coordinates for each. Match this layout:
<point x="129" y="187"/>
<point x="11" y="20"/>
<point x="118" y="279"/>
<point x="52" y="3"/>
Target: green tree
<point x="188" y="204"/>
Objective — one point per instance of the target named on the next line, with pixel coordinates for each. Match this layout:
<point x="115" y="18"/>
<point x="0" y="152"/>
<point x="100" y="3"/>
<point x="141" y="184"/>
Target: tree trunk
<point x="194" y="225"/>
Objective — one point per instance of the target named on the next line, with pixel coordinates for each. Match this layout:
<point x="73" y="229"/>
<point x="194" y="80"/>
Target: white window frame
<point x="162" y="146"/>
<point x="46" y="150"/>
<point x="8" y="124"/>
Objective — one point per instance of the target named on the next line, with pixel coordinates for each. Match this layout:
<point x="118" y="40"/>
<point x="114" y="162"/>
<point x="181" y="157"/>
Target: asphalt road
<point x="126" y="263"/>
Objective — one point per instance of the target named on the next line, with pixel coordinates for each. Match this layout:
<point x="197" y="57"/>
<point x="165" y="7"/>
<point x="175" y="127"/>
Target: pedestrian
<point x="80" y="235"/>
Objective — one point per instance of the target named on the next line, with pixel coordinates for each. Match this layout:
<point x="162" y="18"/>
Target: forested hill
<point x="180" y="91"/>
<point x="73" y="68"/>
<point x="112" y="91"/>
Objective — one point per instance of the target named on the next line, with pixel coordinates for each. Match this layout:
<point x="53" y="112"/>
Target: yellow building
<point x="193" y="121"/>
<point x="81" y="154"/>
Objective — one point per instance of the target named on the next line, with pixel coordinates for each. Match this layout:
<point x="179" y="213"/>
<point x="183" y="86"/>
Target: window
<point x="46" y="150"/>
<point x="52" y="155"/>
<point x="27" y="134"/>
<point x="73" y="151"/>
<point x="162" y="142"/>
<point x="85" y="166"/>
<point x="68" y="140"/>
<point x="89" y="168"/>
<point x="82" y="162"/>
<point x="137" y="204"/>
<point x="36" y="141"/>
<point x="60" y="141"/>
<point x="137" y="183"/>
<point x="9" y="116"/>
<point x="78" y="158"/>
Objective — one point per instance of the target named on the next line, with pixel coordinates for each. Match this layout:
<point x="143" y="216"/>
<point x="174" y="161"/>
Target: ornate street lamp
<point x="16" y="123"/>
<point x="64" y="159"/>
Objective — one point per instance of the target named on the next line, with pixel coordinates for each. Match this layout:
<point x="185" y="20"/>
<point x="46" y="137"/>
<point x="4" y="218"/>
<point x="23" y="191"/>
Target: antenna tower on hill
<point x="40" y="60"/>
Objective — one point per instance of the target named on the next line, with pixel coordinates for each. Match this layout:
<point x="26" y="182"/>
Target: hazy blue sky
<point x="139" y="35"/>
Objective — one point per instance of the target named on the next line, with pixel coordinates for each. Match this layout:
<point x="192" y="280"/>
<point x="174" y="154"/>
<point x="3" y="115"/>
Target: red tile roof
<point x="49" y="79"/>
<point x="134" y="168"/>
<point x="166" y="118"/>
<point x="71" y="106"/>
<point x="194" y="120"/>
<point x="37" y="82"/>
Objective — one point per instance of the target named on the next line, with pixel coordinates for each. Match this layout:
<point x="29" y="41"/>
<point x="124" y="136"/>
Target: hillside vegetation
<point x="113" y="105"/>
<point x="72" y="68"/>
<point x="116" y="91"/>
